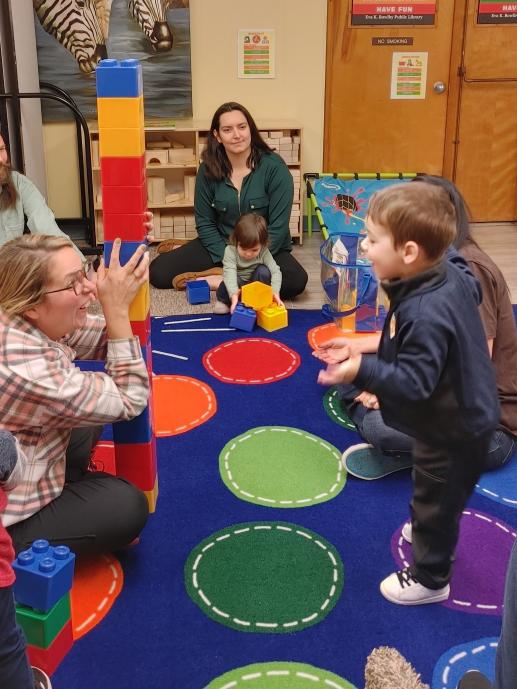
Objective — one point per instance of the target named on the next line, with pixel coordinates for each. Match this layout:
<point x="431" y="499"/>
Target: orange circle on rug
<point x="180" y="404"/>
<point x="321" y="333"/>
<point x="251" y="361"/>
<point x="97" y="582"/>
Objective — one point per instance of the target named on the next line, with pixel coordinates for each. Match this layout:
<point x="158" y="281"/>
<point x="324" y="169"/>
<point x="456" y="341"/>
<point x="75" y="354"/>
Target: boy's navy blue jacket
<point x="432" y="373"/>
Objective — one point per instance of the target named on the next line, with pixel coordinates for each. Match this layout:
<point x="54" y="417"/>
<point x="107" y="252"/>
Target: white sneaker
<point x="220" y="308"/>
<point x="407" y="532"/>
<point x="402" y="588"/>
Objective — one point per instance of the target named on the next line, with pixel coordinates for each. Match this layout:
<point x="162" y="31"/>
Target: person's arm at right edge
<point x="206" y="217"/>
<point x="230" y="271"/>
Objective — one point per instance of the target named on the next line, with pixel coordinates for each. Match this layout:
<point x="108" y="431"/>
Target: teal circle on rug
<point x="279" y="675"/>
<point x="279" y="466"/>
<point x="265" y="577"/>
<point x="333" y="407"/>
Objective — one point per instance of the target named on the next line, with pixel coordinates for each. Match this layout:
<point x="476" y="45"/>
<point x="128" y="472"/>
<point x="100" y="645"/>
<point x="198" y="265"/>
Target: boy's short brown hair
<point x="417" y="212"/>
<point x="250" y="230"/>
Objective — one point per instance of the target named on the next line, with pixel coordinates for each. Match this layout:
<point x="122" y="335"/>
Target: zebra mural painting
<point x="81" y="26"/>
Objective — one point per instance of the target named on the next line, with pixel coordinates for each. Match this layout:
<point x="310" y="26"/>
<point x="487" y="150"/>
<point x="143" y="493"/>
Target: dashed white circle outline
<point x="210" y="411"/>
<point x="347" y="423"/>
<point x="491" y="495"/>
<point x="264" y="624"/>
<point x="295" y="431"/>
<point x="111" y="560"/>
<point x="295" y="362"/>
<point x="284" y="674"/>
<point x="463" y="603"/>
<point x="460" y="656"/>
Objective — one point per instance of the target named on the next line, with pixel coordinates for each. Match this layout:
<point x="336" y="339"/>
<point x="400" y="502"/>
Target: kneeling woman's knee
<point x="132" y="508"/>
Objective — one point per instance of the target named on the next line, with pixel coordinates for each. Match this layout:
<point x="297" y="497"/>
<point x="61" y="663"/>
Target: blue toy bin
<point x="354" y="299"/>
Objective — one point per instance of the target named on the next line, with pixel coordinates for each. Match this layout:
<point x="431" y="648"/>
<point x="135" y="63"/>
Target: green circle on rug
<point x="278" y="466"/>
<point x="278" y="675"/>
<point x="335" y="410"/>
<point x="265" y="577"/>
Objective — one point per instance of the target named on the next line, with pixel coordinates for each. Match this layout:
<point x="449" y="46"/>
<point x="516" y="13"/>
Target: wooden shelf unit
<point x="175" y="178"/>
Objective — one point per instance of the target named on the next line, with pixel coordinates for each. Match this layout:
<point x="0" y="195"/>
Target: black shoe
<point x="474" y="680"/>
<point x="41" y="680"/>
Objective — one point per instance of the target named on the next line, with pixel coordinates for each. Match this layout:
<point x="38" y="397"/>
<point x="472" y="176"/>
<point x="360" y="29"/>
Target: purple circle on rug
<point x="482" y="556"/>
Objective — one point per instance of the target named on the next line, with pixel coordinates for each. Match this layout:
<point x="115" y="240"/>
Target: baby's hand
<point x="277" y="300"/>
<point x="368" y="400"/>
<point x="234" y="301"/>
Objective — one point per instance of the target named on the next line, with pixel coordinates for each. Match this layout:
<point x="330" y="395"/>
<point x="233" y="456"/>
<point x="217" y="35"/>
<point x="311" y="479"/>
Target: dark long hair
<point x="214" y="157"/>
<point x="8" y="193"/>
<point x="463" y="215"/>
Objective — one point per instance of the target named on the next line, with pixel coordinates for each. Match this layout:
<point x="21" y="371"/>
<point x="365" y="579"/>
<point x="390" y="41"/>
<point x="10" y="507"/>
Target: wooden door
<point x="365" y="129"/>
<point x="485" y="165"/>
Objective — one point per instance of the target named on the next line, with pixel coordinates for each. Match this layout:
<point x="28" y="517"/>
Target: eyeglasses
<point x="76" y="281"/>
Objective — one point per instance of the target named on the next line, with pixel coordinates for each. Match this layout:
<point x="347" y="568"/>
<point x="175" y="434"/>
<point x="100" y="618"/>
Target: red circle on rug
<point x="180" y="404"/>
<point x="98" y="580"/>
<point x="251" y="361"/>
<point x="321" y="333"/>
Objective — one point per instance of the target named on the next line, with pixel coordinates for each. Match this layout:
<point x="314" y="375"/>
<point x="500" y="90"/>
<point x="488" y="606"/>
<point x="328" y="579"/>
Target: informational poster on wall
<point x="419" y="12"/>
<point x="497" y="12"/>
<point x="256" y="54"/>
<point x="408" y="76"/>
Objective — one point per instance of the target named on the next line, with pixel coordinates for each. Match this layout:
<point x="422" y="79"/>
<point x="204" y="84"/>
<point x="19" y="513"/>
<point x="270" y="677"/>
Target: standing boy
<point x="432" y="375"/>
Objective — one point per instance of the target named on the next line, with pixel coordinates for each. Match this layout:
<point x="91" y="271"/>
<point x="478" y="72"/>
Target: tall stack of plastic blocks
<point x="44" y="576"/>
<point x="120" y="110"/>
<point x="259" y="297"/>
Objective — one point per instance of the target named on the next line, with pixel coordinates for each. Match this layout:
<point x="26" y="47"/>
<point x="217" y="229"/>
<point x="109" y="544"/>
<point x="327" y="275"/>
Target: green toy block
<point x="41" y="628"/>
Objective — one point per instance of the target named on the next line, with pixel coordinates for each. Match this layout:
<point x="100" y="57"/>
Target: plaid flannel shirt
<point x="43" y="396"/>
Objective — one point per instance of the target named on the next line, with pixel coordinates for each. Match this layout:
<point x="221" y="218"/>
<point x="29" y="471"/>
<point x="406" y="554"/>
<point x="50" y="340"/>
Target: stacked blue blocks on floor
<point x="44" y="574"/>
<point x="243" y="318"/>
<point x="198" y="292"/>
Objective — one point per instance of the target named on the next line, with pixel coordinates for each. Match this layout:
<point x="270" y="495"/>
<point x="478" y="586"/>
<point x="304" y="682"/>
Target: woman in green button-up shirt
<point x="239" y="174"/>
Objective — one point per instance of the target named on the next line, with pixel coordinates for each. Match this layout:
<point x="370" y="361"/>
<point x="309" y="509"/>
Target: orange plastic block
<point x="136" y="462"/>
<point x="113" y="113"/>
<point x="141" y="304"/>
<point x="273" y="317"/>
<point x="256" y="295"/>
<point x="121" y="142"/>
<point x="49" y="658"/>
<point x="152" y="497"/>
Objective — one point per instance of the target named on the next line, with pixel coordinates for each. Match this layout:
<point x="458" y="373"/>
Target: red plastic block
<point x="126" y="226"/>
<point x="124" y="199"/>
<point x="48" y="659"/>
<point x="121" y="171"/>
<point x="142" y="330"/>
<point x="136" y="462"/>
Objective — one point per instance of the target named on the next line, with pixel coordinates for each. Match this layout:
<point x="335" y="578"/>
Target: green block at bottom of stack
<point x="41" y="628"/>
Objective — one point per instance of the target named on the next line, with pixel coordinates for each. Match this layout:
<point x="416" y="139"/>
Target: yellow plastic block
<point x="273" y="317"/>
<point x="121" y="142"/>
<point x="256" y="295"/>
<point x="141" y="304"/>
<point x="117" y="113"/>
<point x="152" y="497"/>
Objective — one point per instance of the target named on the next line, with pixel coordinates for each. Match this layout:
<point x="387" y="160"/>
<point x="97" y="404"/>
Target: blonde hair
<point x="417" y="212"/>
<point x="24" y="267"/>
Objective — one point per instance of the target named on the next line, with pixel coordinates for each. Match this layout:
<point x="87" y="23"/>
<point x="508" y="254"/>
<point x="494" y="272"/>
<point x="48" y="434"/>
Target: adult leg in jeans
<point x="294" y="276"/>
<point x="443" y="480"/>
<point x="506" y="658"/>
<point x="15" y="672"/>
<point x="371" y="426"/>
<point x="261" y="273"/>
<point x="189" y="257"/>
<point x="96" y="514"/>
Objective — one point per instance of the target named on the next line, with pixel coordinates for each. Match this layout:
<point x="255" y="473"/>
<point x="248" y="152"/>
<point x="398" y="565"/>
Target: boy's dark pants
<point x="15" y="672"/>
<point x="443" y="479"/>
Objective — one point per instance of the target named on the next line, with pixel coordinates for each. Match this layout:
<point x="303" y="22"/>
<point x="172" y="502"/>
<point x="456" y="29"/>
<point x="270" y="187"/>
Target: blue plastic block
<point x="91" y="365"/>
<point x="198" y="292"/>
<point x="119" y="79"/>
<point x="138" y="430"/>
<point x="127" y="249"/>
<point x="243" y="318"/>
<point x="44" y="574"/>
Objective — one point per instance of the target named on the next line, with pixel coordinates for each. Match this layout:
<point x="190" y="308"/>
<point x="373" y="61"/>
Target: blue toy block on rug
<point x="44" y="575"/>
<point x="243" y="318"/>
<point x="198" y="292"/>
<point x="119" y="79"/>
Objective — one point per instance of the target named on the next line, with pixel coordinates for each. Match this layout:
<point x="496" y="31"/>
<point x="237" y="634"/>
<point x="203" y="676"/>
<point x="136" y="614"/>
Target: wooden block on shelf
<point x="157" y="222"/>
<point x="181" y="155"/>
<point x="276" y="135"/>
<point x="285" y="147"/>
<point x="94" y="145"/>
<point x="99" y="228"/>
<point x="166" y="220"/>
<point x="179" y="231"/>
<point x="179" y="221"/>
<point x="159" y="156"/>
<point x="296" y="140"/>
<point x="190" y="220"/>
<point x="189" y="183"/>
<point x="156" y="189"/>
<point x="162" y="143"/>
<point x="285" y="140"/>
<point x="190" y="232"/>
<point x="174" y="197"/>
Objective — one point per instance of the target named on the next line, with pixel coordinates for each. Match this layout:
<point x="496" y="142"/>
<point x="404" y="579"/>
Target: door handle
<point x="439" y="87"/>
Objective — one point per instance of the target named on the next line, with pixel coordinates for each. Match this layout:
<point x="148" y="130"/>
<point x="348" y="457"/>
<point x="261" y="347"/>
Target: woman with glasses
<point x="44" y="325"/>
